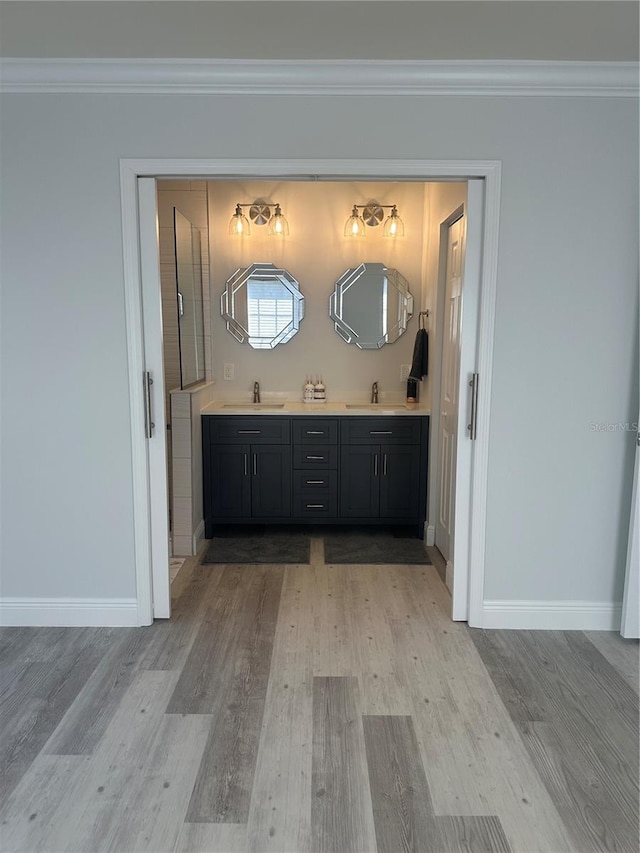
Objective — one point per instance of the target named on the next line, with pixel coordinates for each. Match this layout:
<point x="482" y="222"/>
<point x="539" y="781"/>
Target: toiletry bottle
<point x="412" y="391"/>
<point x="308" y="391"/>
<point x="320" y="394"/>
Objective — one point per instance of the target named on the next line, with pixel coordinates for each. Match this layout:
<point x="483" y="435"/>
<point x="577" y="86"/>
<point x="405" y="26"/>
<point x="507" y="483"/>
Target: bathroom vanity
<point x="357" y="465"/>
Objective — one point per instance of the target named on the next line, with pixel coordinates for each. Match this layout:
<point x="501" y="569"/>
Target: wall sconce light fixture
<point x="372" y="215"/>
<point x="259" y="214"/>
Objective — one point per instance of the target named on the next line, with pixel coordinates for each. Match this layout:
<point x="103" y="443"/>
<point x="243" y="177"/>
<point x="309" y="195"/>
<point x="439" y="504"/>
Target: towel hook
<point x="422" y="315"/>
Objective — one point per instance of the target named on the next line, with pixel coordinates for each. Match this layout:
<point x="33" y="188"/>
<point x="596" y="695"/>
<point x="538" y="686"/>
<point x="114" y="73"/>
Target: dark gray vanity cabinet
<point x="315" y="469"/>
<point x="383" y="465"/>
<point x="247" y="470"/>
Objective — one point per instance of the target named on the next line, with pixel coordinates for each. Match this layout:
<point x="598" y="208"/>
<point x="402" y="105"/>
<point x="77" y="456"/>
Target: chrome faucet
<point x="374" y="392"/>
<point x="256" y="392"/>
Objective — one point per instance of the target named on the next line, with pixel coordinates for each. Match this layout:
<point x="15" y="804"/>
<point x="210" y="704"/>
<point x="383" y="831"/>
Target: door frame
<point x="292" y="169"/>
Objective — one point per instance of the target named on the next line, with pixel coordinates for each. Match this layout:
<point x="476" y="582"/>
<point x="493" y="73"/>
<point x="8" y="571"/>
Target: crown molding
<point x="318" y="77"/>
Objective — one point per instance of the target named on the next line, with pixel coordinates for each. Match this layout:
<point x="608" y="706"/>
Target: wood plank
<point x="173" y="639"/>
<point x="593" y="816"/>
<point x="213" y="838"/>
<point x="236" y="696"/>
<point x="36" y="702"/>
<point x="402" y="807"/>
<point x="86" y="720"/>
<point x="472" y="834"/>
<point x="576" y="701"/>
<point x="280" y="810"/>
<point x="131" y="794"/>
<point x="622" y="654"/>
<point x="341" y="811"/>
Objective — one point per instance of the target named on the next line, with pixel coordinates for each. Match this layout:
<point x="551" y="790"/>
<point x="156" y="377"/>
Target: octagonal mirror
<point x="371" y="306"/>
<point x="262" y="306"/>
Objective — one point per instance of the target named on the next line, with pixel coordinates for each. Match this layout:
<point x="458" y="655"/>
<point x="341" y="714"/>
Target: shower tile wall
<point x="190" y="197"/>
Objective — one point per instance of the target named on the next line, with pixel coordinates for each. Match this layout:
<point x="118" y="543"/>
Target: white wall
<point x="316" y="253"/>
<point x="565" y="345"/>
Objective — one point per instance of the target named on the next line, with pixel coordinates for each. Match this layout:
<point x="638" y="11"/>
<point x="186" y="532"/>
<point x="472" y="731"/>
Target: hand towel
<point x="420" y="365"/>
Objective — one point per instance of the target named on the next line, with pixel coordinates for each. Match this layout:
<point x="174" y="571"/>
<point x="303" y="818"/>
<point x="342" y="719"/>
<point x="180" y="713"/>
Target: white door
<point x="461" y="388"/>
<point x="450" y="372"/>
<point x="154" y="391"/>
<point x="630" y="626"/>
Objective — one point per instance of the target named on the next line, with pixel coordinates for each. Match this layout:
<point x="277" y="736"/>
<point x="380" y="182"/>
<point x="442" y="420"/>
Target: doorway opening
<point x="485" y="222"/>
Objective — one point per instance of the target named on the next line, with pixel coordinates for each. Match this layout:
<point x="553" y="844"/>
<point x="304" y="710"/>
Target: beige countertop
<point x="221" y="407"/>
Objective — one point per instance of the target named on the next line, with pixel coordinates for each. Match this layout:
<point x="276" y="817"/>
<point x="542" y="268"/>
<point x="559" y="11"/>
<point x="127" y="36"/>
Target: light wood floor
<point x="317" y="708"/>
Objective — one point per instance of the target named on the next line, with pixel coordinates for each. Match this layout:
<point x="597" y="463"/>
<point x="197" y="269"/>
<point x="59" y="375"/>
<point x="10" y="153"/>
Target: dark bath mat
<point x="268" y="548"/>
<point x="376" y="548"/>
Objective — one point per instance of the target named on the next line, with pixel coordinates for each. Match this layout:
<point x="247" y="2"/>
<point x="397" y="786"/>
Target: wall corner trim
<point x="69" y="612"/>
<point x="319" y="77"/>
<point x="552" y="615"/>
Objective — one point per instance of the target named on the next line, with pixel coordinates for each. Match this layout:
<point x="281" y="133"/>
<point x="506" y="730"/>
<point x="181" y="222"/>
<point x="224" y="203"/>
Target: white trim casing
<point x="429" y="534"/>
<point x="136" y="363"/>
<point x="320" y="77"/>
<point x="69" y="612"/>
<point x="552" y="615"/>
<point x="198" y="537"/>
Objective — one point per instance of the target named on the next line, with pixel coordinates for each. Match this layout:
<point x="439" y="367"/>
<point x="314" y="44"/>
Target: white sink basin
<point x="255" y="406"/>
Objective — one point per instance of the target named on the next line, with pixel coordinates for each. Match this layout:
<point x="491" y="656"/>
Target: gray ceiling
<point x="596" y="31"/>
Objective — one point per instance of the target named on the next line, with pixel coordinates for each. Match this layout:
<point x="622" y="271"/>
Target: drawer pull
<point x="375" y="465"/>
<point x="315" y="482"/>
<point x="315" y="432"/>
<point x="246" y="467"/>
<point x="249" y="431"/>
<point x="384" y="464"/>
<point x="318" y="458"/>
<point x="381" y="432"/>
<point x="315" y="506"/>
<point x="255" y="464"/>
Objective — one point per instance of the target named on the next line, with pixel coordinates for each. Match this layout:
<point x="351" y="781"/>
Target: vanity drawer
<point x="317" y="456"/>
<point x="314" y="482"/>
<point x="253" y="430"/>
<point x="374" y="430"/>
<point x="315" y="431"/>
<point x="318" y="507"/>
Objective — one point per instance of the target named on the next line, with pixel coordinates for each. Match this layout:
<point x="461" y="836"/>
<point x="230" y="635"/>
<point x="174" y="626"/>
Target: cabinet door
<point x="231" y="480"/>
<point x="359" y="481"/>
<point x="271" y="481"/>
<point x="399" y="481"/>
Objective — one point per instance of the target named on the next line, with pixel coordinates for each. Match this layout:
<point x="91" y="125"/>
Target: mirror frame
<point x="348" y="279"/>
<point x="265" y="272"/>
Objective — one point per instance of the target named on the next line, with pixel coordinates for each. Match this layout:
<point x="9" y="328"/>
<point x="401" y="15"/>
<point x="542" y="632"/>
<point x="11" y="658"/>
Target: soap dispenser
<point x="309" y="391"/>
<point x="319" y="391"/>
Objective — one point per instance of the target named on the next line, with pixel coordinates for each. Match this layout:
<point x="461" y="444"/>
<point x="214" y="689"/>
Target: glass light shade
<point x="239" y="224"/>
<point x="278" y="225"/>
<point x="393" y="226"/>
<point x="354" y="226"/>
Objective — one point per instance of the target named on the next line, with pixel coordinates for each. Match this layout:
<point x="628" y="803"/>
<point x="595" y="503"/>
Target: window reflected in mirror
<point x="262" y="306"/>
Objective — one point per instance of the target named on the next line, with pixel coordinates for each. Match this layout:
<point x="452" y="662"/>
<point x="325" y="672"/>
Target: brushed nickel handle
<point x="473" y="426"/>
<point x="315" y="432"/>
<point x="315" y="482"/>
<point x="255" y="464"/>
<point x="319" y="458"/>
<point x="315" y="506"/>
<point x="384" y="464"/>
<point x="249" y="431"/>
<point x="381" y="432"/>
<point x="149" y="425"/>
<point x="375" y="465"/>
<point x="246" y="464"/>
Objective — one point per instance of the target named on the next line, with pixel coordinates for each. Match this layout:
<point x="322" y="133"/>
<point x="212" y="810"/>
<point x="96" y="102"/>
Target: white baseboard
<point x="198" y="537"/>
<point x="553" y="615"/>
<point x="69" y="612"/>
<point x="429" y="534"/>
